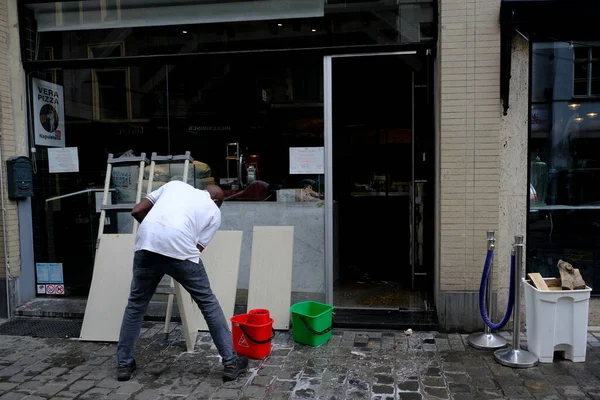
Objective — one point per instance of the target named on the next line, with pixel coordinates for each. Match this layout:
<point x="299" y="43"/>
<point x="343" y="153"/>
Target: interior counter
<point x="308" y="219"/>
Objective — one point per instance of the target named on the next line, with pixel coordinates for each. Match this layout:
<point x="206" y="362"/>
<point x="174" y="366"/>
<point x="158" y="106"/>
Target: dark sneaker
<point x="233" y="370"/>
<point x="124" y="373"/>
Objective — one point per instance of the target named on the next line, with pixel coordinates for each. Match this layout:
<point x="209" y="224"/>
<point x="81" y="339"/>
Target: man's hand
<point x="141" y="209"/>
<point x="200" y="247"/>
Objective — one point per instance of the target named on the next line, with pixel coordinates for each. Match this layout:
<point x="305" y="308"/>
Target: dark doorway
<point x="379" y="229"/>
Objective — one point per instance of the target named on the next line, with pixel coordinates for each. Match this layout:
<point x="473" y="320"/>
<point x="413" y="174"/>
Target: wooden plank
<point x="222" y="263"/>
<point x="271" y="272"/>
<point x="190" y="316"/>
<point x="111" y="281"/>
<point x="553" y="283"/>
<point x="538" y="281"/>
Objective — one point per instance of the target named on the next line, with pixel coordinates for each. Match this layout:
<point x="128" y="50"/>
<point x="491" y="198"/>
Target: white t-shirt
<point x="181" y="218"/>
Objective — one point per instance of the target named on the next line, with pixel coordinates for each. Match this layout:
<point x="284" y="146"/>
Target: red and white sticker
<point x="50" y="289"/>
<point x="60" y="289"/>
<point x="243" y="342"/>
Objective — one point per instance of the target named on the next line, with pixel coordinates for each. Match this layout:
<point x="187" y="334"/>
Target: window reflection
<point x="564" y="218"/>
<point x="64" y="26"/>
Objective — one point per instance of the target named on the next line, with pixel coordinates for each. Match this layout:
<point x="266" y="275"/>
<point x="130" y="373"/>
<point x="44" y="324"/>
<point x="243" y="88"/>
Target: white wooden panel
<point x="109" y="292"/>
<point x="221" y="260"/>
<point x="222" y="263"/>
<point x="190" y="316"/>
<point x="111" y="284"/>
<point x="271" y="272"/>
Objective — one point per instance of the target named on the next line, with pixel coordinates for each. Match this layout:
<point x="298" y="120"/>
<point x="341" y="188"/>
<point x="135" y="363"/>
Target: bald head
<point x="216" y="193"/>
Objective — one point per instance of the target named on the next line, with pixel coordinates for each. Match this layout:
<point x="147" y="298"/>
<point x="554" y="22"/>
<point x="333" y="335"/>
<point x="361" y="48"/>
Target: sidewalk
<point x="352" y="365"/>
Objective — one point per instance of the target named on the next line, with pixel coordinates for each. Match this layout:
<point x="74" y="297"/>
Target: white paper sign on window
<point x="63" y="160"/>
<point x="48" y="113"/>
<point x="307" y="160"/>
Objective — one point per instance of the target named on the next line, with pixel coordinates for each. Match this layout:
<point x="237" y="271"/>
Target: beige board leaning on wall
<point x="271" y="262"/>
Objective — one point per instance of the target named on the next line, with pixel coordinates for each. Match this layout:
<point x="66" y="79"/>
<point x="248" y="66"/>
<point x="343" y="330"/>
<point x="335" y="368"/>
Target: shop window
<point x="111" y="86"/>
<point x="586" y="71"/>
<point x="564" y="164"/>
<point x="65" y="228"/>
<point x="213" y="109"/>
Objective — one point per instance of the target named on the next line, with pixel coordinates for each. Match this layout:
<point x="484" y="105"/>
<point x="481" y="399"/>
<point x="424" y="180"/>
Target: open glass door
<point x="377" y="201"/>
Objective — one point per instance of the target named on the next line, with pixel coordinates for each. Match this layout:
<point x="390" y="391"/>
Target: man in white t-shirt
<point x="177" y="222"/>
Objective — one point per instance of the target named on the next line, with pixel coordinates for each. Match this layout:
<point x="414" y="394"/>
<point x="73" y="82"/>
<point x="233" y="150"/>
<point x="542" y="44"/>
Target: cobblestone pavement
<point x="352" y="365"/>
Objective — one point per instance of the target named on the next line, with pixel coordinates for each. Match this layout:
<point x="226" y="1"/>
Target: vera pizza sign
<point x="48" y="114"/>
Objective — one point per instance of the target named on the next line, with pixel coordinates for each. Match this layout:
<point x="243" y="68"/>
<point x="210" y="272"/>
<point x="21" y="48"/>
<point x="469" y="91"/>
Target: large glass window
<point x="65" y="213"/>
<point x="564" y="215"/>
<point x="253" y="122"/>
<point x="254" y="126"/>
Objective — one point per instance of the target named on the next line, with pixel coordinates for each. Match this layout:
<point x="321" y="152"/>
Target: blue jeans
<point x="148" y="270"/>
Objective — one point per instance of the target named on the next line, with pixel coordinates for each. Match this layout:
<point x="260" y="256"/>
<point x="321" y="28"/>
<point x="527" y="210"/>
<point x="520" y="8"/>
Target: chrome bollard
<point x="516" y="357"/>
<point x="487" y="340"/>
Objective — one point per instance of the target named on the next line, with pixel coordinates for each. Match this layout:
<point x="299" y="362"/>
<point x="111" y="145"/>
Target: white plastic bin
<point x="556" y="320"/>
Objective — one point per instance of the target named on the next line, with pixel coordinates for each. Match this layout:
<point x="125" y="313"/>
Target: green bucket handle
<point x="257" y="341"/>
<point x="312" y="330"/>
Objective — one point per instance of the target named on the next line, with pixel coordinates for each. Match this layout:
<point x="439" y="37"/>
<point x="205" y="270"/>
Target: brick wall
<point x="470" y="114"/>
<point x="7" y="140"/>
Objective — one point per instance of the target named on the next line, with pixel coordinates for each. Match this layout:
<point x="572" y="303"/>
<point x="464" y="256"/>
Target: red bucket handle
<point x="257" y="341"/>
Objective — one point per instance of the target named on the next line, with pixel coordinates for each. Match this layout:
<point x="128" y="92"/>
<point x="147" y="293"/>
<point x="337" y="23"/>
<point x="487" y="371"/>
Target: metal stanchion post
<point x="487" y="340"/>
<point x="515" y="356"/>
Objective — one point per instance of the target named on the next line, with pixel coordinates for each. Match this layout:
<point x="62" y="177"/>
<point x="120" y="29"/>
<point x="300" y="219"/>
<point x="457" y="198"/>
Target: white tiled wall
<point x="470" y="113"/>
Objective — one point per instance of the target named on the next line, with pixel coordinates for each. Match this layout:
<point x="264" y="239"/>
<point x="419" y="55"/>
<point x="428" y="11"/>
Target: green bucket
<point x="312" y="322"/>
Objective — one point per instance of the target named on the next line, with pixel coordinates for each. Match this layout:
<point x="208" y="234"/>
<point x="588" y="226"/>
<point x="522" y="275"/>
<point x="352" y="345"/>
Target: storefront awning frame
<point x="86" y="63"/>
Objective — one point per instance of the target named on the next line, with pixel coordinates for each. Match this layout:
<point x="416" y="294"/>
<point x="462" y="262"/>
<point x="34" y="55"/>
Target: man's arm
<point x="141" y="209"/>
<point x="206" y="236"/>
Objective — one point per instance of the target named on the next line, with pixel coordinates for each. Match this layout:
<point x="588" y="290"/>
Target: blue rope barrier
<point x="483" y="290"/>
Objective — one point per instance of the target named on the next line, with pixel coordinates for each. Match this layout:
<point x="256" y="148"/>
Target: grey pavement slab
<point x="352" y="365"/>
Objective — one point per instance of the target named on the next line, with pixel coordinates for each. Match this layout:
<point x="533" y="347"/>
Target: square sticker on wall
<point x="60" y="289"/>
<point x="41" y="289"/>
<point x="50" y="289"/>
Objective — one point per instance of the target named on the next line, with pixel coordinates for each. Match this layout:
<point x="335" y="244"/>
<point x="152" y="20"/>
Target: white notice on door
<point x="63" y="160"/>
<point x="307" y="160"/>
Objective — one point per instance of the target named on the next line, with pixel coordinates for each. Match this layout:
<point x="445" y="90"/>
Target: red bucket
<point x="251" y="340"/>
<point x="259" y="316"/>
